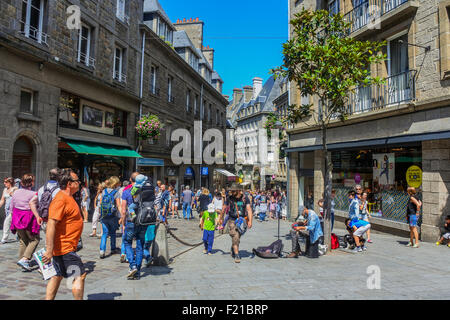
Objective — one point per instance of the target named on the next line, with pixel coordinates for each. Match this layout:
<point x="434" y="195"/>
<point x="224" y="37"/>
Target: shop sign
<point x="150" y="162"/>
<point x="172" y="171"/>
<point x="205" y="171"/>
<point x="414" y="176"/>
<point x="384" y="168"/>
<point x="189" y="173"/>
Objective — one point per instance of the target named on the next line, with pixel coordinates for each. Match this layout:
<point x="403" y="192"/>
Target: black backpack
<point x="45" y="201"/>
<point x="272" y="251"/>
<point x="237" y="208"/>
<point x="145" y="205"/>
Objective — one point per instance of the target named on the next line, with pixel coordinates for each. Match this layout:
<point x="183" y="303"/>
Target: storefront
<point x="171" y="178"/>
<point x="95" y="163"/>
<point x="151" y="167"/>
<point x="385" y="173"/>
<point x="223" y="179"/>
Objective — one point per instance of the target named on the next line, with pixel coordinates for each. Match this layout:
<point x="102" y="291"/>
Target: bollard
<point x="160" y="248"/>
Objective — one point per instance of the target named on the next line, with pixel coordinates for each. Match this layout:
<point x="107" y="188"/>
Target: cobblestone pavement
<point x="406" y="273"/>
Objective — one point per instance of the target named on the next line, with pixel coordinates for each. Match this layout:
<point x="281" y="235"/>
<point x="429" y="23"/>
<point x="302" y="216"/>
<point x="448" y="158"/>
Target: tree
<point x="326" y="64"/>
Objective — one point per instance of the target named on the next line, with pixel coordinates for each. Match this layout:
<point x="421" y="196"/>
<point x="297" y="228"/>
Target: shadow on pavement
<point x="403" y="242"/>
<point x="103" y="296"/>
<point x="89" y="266"/>
<point x="155" y="271"/>
<point x="213" y="251"/>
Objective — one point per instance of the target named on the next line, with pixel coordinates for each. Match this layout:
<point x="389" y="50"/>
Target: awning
<point x="102" y="149"/>
<point x="230" y="176"/>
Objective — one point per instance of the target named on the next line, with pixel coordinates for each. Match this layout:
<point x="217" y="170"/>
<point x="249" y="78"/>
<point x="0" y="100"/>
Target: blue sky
<point x="247" y="35"/>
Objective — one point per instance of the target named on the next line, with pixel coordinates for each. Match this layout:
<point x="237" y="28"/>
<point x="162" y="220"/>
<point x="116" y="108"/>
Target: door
<point x="22" y="157"/>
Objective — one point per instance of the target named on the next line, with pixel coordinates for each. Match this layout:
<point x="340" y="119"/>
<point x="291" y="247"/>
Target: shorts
<point x="413" y="220"/>
<point x="446" y="235"/>
<point x="361" y="230"/>
<point x="234" y="233"/>
<point x="68" y="265"/>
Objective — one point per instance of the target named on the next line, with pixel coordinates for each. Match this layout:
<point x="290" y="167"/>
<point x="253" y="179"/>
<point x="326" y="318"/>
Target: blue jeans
<point x="332" y="220"/>
<point x="186" y="210"/>
<point x="138" y="232"/>
<point x="109" y="225"/>
<point x="208" y="239"/>
<point x="262" y="216"/>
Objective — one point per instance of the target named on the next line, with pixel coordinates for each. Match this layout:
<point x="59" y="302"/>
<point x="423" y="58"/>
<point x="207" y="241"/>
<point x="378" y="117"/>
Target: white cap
<point x="211" y="208"/>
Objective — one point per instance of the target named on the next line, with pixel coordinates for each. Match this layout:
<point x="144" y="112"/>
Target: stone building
<point x="398" y="133"/>
<point x="256" y="154"/>
<point x="70" y="97"/>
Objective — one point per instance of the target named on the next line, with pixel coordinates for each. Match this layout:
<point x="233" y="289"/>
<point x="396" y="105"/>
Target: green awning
<point x="102" y="149"/>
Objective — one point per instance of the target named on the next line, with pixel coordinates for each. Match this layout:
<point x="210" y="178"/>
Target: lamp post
<point x="278" y="125"/>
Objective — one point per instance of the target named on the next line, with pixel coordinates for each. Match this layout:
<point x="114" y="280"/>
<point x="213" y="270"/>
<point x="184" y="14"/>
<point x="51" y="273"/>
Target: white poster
<point x="384" y="168"/>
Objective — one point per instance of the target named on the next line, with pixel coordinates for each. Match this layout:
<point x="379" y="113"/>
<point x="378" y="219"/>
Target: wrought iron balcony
<point x="84" y="59"/>
<point x="368" y="13"/>
<point x="120" y="77"/>
<point x="397" y="89"/>
<point x="33" y="33"/>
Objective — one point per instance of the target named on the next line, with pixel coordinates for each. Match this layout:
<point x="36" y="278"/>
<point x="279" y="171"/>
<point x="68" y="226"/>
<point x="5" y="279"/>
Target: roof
<point x="203" y="59"/>
<point x="215" y="76"/>
<point x="181" y="40"/>
<point x="155" y="6"/>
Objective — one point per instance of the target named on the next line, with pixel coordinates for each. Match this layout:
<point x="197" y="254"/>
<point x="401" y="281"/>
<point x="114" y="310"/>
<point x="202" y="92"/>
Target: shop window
<point x="106" y="120"/>
<point x="69" y="110"/>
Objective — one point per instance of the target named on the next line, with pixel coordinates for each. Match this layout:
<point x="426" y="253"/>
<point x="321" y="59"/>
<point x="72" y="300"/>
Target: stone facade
<point x="422" y="115"/>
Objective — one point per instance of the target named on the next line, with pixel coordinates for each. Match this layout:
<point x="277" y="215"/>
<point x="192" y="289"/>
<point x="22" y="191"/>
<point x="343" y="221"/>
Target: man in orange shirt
<point x="64" y="229"/>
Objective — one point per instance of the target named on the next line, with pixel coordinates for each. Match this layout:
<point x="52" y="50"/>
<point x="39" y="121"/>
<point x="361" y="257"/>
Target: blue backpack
<point x="107" y="207"/>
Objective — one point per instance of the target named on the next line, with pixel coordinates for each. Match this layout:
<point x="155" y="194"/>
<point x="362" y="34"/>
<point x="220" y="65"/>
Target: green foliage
<point x="149" y="126"/>
<point x="324" y="62"/>
<point x="270" y="124"/>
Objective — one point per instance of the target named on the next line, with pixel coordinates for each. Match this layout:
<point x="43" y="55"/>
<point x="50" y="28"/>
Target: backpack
<point x="145" y="205"/>
<point x="237" y="209"/>
<point x="272" y="251"/>
<point x="334" y="242"/>
<point x="241" y="225"/>
<point x="107" y="207"/>
<point x="45" y="201"/>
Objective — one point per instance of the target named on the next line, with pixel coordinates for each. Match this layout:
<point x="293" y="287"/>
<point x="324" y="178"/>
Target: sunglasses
<point x="77" y="181"/>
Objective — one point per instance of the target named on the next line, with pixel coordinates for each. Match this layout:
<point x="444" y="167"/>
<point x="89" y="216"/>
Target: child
<point x="358" y="228"/>
<point x="140" y="181"/>
<point x="446" y="235"/>
<point x="208" y="225"/>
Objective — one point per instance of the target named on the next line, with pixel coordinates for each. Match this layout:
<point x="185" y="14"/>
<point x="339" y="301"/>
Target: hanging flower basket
<point x="149" y="127"/>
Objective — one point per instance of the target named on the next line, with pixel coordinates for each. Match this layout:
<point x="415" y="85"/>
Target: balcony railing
<point x="397" y="89"/>
<point x="88" y="61"/>
<point x="33" y="33"/>
<point x="120" y="76"/>
<point x="123" y="17"/>
<point x="154" y="90"/>
<point x="369" y="11"/>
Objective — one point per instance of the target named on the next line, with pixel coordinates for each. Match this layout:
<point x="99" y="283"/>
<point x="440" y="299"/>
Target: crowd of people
<point x="61" y="206"/>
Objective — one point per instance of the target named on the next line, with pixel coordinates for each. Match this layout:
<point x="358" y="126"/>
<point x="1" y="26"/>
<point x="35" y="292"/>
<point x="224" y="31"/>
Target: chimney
<point x="226" y="97"/>
<point x="209" y="55"/>
<point x="194" y="29"/>
<point x="248" y="92"/>
<point x="237" y="95"/>
<point x="257" y="86"/>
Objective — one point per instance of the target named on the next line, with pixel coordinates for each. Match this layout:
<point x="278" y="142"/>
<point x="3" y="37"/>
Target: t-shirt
<point x="358" y="223"/>
<point x="209" y="220"/>
<point x="68" y="231"/>
<point x="126" y="196"/>
<point x="217" y="203"/>
<point x="187" y="196"/>
<point x="21" y="199"/>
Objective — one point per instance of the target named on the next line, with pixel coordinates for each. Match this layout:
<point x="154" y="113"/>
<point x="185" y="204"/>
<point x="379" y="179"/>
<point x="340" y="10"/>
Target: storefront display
<point x="383" y="173"/>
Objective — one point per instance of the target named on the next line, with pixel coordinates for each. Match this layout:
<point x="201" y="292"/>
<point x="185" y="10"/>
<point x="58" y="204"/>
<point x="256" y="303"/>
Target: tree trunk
<point x="327" y="192"/>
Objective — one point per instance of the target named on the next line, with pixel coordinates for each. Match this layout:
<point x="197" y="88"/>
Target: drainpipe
<point x="202" y="110"/>
<point x="288" y="154"/>
<point x="141" y="90"/>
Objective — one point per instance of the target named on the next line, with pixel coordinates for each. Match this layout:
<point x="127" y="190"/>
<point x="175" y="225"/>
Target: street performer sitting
<point x="312" y="225"/>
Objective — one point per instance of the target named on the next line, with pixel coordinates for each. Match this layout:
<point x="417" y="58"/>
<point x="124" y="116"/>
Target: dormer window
<point x="164" y="31"/>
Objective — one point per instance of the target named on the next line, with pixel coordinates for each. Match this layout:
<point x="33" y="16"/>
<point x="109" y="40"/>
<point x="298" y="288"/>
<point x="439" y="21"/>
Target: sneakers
<point x="369" y="241"/>
<point x="438" y="243"/>
<point x="3" y="242"/>
<point x="448" y="245"/>
<point x="209" y="254"/>
<point x="409" y="244"/>
<point x="123" y="258"/>
<point x="237" y="259"/>
<point x="131" y="273"/>
<point x="363" y="248"/>
<point x="204" y="251"/>
<point x="415" y="245"/>
<point x="24" y="264"/>
<point x="293" y="255"/>
<point x="357" y="249"/>
<point x="102" y="255"/>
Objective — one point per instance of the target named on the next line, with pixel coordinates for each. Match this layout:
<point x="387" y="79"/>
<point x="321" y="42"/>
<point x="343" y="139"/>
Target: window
<point x="118" y="73"/>
<point x="33" y="20"/>
<point x="209" y="113"/>
<point x="69" y="110"/>
<point x="153" y="78"/>
<point x="26" y="101"/>
<point x="188" y="99"/>
<point x="120" y="12"/>
<point x="203" y="110"/>
<point x="217" y="117"/>
<point x="170" y="98"/>
<point x="195" y="104"/>
<point x="164" y="31"/>
<point x="84" y="46"/>
<point x="333" y="7"/>
<point x="193" y="60"/>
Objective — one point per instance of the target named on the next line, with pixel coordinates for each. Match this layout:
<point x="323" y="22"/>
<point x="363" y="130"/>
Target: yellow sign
<point x="414" y="176"/>
<point x="240" y="180"/>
